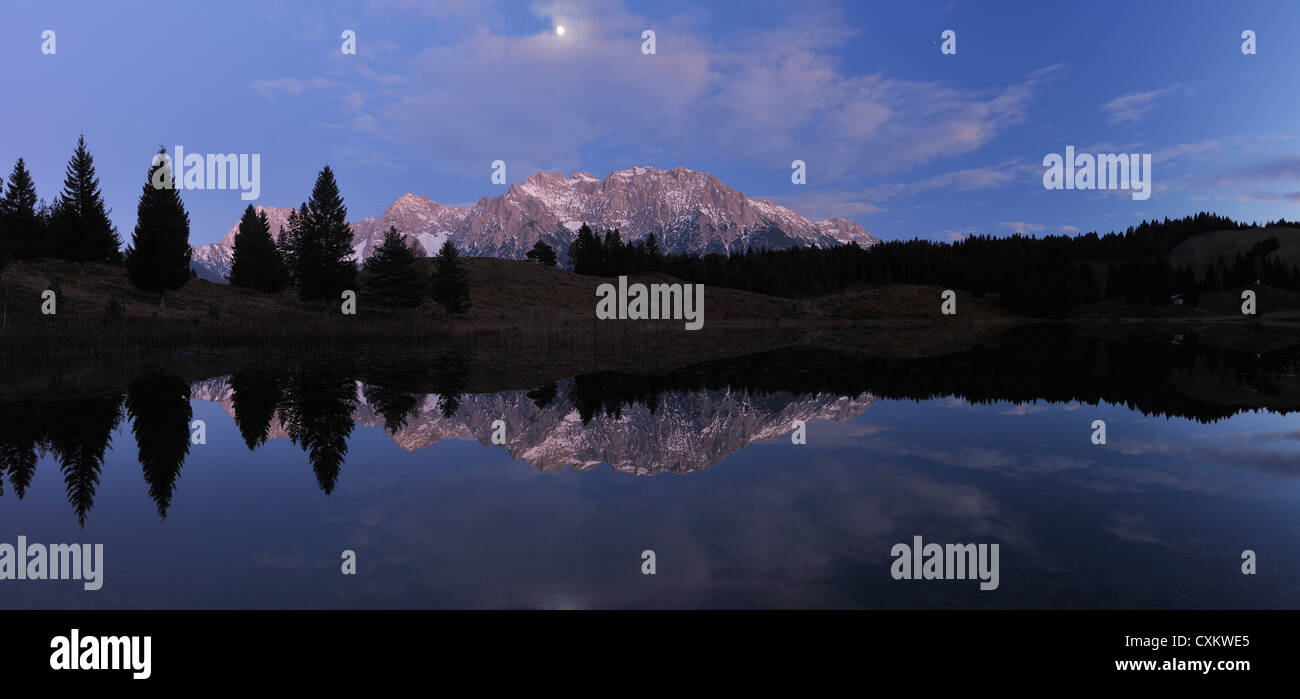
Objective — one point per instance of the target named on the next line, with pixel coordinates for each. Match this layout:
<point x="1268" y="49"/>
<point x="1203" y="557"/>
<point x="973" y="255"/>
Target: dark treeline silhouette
<point x="75" y="433"/>
<point x="77" y="227"/>
<point x="1042" y="277"/>
<point x="312" y="252"/>
<point x="1040" y="362"/>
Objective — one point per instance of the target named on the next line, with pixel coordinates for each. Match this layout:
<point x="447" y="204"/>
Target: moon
<point x="559" y="30"/>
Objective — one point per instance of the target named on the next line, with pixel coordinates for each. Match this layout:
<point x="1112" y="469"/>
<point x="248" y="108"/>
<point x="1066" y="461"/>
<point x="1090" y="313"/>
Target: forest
<point x="1035" y="276"/>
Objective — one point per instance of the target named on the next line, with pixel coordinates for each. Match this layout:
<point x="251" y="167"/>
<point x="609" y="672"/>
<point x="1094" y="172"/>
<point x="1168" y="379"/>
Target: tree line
<point x="1040" y="276"/>
<point x="312" y="254"/>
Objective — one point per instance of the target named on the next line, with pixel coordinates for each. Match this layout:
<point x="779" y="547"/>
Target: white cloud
<point x="763" y="98"/>
<point x="1136" y="105"/>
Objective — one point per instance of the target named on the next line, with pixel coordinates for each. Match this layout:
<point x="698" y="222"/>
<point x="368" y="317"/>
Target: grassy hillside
<point x="1202" y="250"/>
<point x="99" y="309"/>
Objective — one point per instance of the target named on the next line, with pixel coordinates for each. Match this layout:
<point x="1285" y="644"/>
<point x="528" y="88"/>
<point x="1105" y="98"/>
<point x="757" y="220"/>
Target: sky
<point x="896" y="135"/>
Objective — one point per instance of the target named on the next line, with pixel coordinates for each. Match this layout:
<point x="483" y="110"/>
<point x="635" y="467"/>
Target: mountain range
<point x="687" y="210"/>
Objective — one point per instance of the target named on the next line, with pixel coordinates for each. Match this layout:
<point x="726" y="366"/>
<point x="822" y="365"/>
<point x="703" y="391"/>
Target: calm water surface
<point x="1201" y="463"/>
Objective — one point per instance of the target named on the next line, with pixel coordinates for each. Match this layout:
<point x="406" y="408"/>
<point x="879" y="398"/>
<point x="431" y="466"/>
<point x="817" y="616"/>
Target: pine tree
<point x="82" y="229"/>
<point x="586" y="255"/>
<point x="291" y="241"/>
<point x="255" y="262"/>
<point x="542" y="254"/>
<point x="615" y="254"/>
<point x="158" y="259"/>
<point x="653" y="257"/>
<point x="321" y="255"/>
<point x="450" y="281"/>
<point x="392" y="278"/>
<point x="24" y="229"/>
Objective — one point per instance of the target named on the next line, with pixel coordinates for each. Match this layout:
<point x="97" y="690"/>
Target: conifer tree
<point x="24" y="229"/>
<point x="450" y="281"/>
<point x="653" y="257"/>
<point x="290" y="242"/>
<point x="392" y="278"/>
<point x="158" y="259"/>
<point x="615" y="254"/>
<point x="323" y="269"/>
<point x="585" y="252"/>
<point x="542" y="254"/>
<point x="82" y="229"/>
<point x="255" y="262"/>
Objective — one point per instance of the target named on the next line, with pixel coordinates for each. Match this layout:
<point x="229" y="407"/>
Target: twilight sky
<point x="902" y="139"/>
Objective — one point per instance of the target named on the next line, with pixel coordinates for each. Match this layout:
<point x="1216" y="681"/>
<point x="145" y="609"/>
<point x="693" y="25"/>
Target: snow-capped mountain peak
<point x="687" y="210"/>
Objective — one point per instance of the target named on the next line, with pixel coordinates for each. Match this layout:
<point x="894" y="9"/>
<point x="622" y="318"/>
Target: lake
<point x="994" y="444"/>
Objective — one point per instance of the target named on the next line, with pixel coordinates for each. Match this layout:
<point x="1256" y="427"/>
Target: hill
<point x="1202" y="250"/>
<point x="97" y="307"/>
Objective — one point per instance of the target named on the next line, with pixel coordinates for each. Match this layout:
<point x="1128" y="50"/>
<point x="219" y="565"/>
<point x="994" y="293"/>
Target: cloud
<point x="761" y="98"/>
<point x="1136" y="105"/>
<point x="823" y="205"/>
<point x="1285" y="168"/>
<point x="1240" y="168"/>
<point x="967" y="180"/>
<point x="288" y="86"/>
<point x="1022" y="227"/>
<point x="862" y="203"/>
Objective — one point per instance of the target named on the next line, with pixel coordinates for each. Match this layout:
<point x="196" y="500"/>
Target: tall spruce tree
<point x="158" y="259"/>
<point x="255" y="262"/>
<point x="586" y="255"/>
<point x="81" y="227"/>
<point x="24" y="229"/>
<point x="450" y="281"/>
<point x="320" y="254"/>
<point x="392" y="278"/>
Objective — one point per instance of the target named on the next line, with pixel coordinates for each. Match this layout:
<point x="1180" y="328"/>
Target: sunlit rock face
<point x="686" y="210"/>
